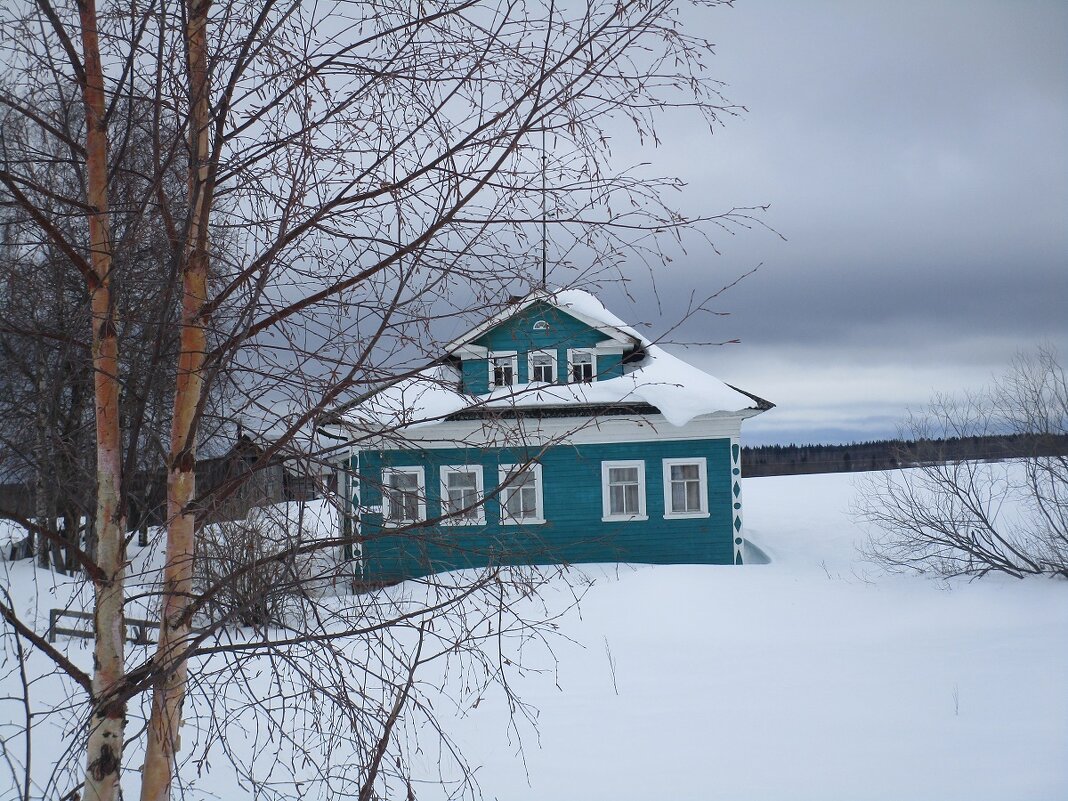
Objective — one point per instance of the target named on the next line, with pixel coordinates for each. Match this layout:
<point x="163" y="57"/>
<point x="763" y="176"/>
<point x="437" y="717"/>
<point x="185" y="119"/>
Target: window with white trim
<point x="503" y="369"/>
<point x="461" y="495"/>
<point x="685" y="488"/>
<point x="521" y="494"/>
<point x="542" y="367"/>
<point x="623" y="490"/>
<point x="581" y="366"/>
<point x="403" y="495"/>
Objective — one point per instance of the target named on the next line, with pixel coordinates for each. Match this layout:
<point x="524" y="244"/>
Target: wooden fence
<point x="140" y="627"/>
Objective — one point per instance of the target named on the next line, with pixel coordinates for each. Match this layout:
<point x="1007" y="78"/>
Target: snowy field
<point x="812" y="677"/>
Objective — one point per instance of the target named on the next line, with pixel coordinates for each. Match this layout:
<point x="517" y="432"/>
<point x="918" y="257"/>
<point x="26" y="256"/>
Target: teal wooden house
<point x="551" y="433"/>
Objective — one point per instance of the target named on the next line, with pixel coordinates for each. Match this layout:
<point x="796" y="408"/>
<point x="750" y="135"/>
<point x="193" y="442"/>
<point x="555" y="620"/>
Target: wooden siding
<point x="609" y="365"/>
<point x="475" y="376"/>
<point x="517" y="334"/>
<point x="573" y="532"/>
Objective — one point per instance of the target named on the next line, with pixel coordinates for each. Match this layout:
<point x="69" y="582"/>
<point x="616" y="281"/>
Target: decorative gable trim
<point x="621" y="339"/>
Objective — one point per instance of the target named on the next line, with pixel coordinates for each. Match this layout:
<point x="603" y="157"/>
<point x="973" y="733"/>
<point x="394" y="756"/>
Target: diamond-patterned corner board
<point x="736" y="488"/>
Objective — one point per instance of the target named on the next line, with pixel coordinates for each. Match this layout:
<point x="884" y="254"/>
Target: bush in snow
<point x="958" y="517"/>
<point x="260" y="570"/>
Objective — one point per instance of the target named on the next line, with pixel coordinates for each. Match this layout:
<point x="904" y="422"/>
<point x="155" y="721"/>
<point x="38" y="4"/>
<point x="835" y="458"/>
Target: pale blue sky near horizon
<point x="915" y="158"/>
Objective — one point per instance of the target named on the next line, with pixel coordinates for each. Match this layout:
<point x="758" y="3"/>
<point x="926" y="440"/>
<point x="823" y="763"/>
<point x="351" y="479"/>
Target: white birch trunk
<point x="170" y="690"/>
<point x="104" y="752"/>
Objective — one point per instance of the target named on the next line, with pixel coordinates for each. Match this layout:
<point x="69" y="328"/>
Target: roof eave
<point x="762" y="405"/>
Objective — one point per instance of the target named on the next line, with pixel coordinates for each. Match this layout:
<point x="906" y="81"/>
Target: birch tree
<point x="358" y="179"/>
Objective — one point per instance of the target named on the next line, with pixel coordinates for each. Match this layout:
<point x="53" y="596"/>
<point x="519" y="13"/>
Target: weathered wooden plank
<point x="140" y="628"/>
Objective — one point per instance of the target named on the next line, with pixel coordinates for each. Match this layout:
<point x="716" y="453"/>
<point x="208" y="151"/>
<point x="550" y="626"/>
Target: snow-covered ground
<point x="812" y="677"/>
<point x="815" y="676"/>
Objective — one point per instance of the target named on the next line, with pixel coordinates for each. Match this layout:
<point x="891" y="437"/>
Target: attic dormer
<point x="540" y="341"/>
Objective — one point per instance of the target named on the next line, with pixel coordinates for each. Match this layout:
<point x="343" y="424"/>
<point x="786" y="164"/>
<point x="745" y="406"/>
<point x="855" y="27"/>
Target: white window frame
<point x="479" y="518"/>
<point x="702" y="475"/>
<point x="502" y="475"/>
<point x="606" y="499"/>
<point x="571" y="353"/>
<point x="503" y="354"/>
<point x="387" y="522"/>
<point x="530" y="365"/>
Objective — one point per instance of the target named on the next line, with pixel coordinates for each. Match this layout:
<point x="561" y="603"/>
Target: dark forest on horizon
<point x="892" y="454"/>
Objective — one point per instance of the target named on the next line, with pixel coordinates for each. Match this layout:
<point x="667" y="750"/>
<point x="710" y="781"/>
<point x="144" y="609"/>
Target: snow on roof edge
<point x="579" y="303"/>
<point x="680" y="391"/>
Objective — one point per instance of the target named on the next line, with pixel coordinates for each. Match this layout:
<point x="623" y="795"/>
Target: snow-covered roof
<point x="680" y="391"/>
<point x="579" y="304"/>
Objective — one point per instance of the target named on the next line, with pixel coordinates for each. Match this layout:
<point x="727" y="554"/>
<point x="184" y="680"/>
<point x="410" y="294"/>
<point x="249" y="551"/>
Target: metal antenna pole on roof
<point x="544" y="229"/>
<point x="397" y="200"/>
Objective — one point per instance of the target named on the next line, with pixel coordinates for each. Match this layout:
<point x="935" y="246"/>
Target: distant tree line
<point x="892" y="454"/>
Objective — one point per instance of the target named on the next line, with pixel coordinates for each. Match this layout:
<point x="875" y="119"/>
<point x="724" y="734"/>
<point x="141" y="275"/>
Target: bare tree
<point x="47" y="423"/>
<point x="356" y="179"/>
<point x="955" y="516"/>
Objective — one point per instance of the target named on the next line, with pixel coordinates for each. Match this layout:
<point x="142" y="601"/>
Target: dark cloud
<point x="914" y="157"/>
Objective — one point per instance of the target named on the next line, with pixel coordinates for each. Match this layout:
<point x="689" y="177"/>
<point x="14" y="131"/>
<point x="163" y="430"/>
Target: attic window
<point x="542" y="368"/>
<point x="582" y="367"/>
<point x="541" y="325"/>
<point x="503" y="369"/>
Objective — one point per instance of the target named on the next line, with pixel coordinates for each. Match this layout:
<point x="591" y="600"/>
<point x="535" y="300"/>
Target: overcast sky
<point x="915" y="157"/>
